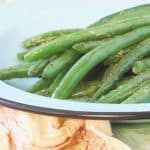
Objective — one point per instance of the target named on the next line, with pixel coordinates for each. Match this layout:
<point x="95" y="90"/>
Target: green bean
<point x="141" y="65"/>
<point x="107" y="30"/>
<point x="46" y="37"/>
<point x="126" y="14"/>
<point x="124" y="80"/>
<point x="125" y="90"/>
<point x="96" y="56"/>
<point x="141" y="95"/>
<point x="20" y="55"/>
<point x="115" y="72"/>
<point x="86" y="46"/>
<point x="115" y="58"/>
<point x="85" y="89"/>
<point x="48" y="91"/>
<point x="39" y="85"/>
<point x="18" y="71"/>
<point x="55" y="67"/>
<point x="37" y="68"/>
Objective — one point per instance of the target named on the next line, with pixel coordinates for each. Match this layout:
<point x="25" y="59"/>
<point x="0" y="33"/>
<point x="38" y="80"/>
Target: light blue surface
<point x="23" y="18"/>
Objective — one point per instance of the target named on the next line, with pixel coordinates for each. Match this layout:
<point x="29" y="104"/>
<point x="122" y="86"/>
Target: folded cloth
<point x="28" y="131"/>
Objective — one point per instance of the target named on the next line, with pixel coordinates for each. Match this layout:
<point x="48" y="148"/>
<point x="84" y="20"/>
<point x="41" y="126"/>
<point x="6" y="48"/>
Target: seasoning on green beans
<point x="123" y="91"/>
<point x="105" y="62"/>
<point x="46" y="37"/>
<point x="99" y="32"/>
<point x="97" y="56"/>
<point x="38" y="67"/>
<point x="85" y="47"/>
<point x="142" y="95"/>
<point x="122" y="15"/>
<point x="115" y="72"/>
<point x="59" y="64"/>
<point x="18" y="71"/>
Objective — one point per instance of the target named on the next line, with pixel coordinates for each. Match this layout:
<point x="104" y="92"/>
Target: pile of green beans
<point x="116" y="46"/>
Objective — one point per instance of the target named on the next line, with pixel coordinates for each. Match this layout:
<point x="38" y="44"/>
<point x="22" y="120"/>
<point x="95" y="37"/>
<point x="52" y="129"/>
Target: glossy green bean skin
<point x="48" y="91"/>
<point x="59" y="64"/>
<point x="123" y="91"/>
<point x="142" y="95"/>
<point x="18" y="71"/>
<point x="126" y="14"/>
<point x="107" y="30"/>
<point x="115" y="72"/>
<point x="141" y="65"/>
<point x="97" y="56"/>
<point x="37" y="68"/>
<point x="46" y="37"/>
<point x="39" y="85"/>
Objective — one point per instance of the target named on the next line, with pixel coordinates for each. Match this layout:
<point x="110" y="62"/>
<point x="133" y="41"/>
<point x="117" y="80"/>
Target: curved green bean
<point x="38" y="67"/>
<point x="115" y="72"/>
<point x="125" y="90"/>
<point x="48" y="91"/>
<point x="18" y="71"/>
<point x="86" y="46"/>
<point x="141" y="65"/>
<point x="55" y="67"/>
<point x="96" y="56"/>
<point x="46" y="37"/>
<point x="125" y="14"/>
<point x="142" y="95"/>
<point x="107" y="30"/>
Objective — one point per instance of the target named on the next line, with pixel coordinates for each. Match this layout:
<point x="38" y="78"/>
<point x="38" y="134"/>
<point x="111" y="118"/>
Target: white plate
<point x="22" y="19"/>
